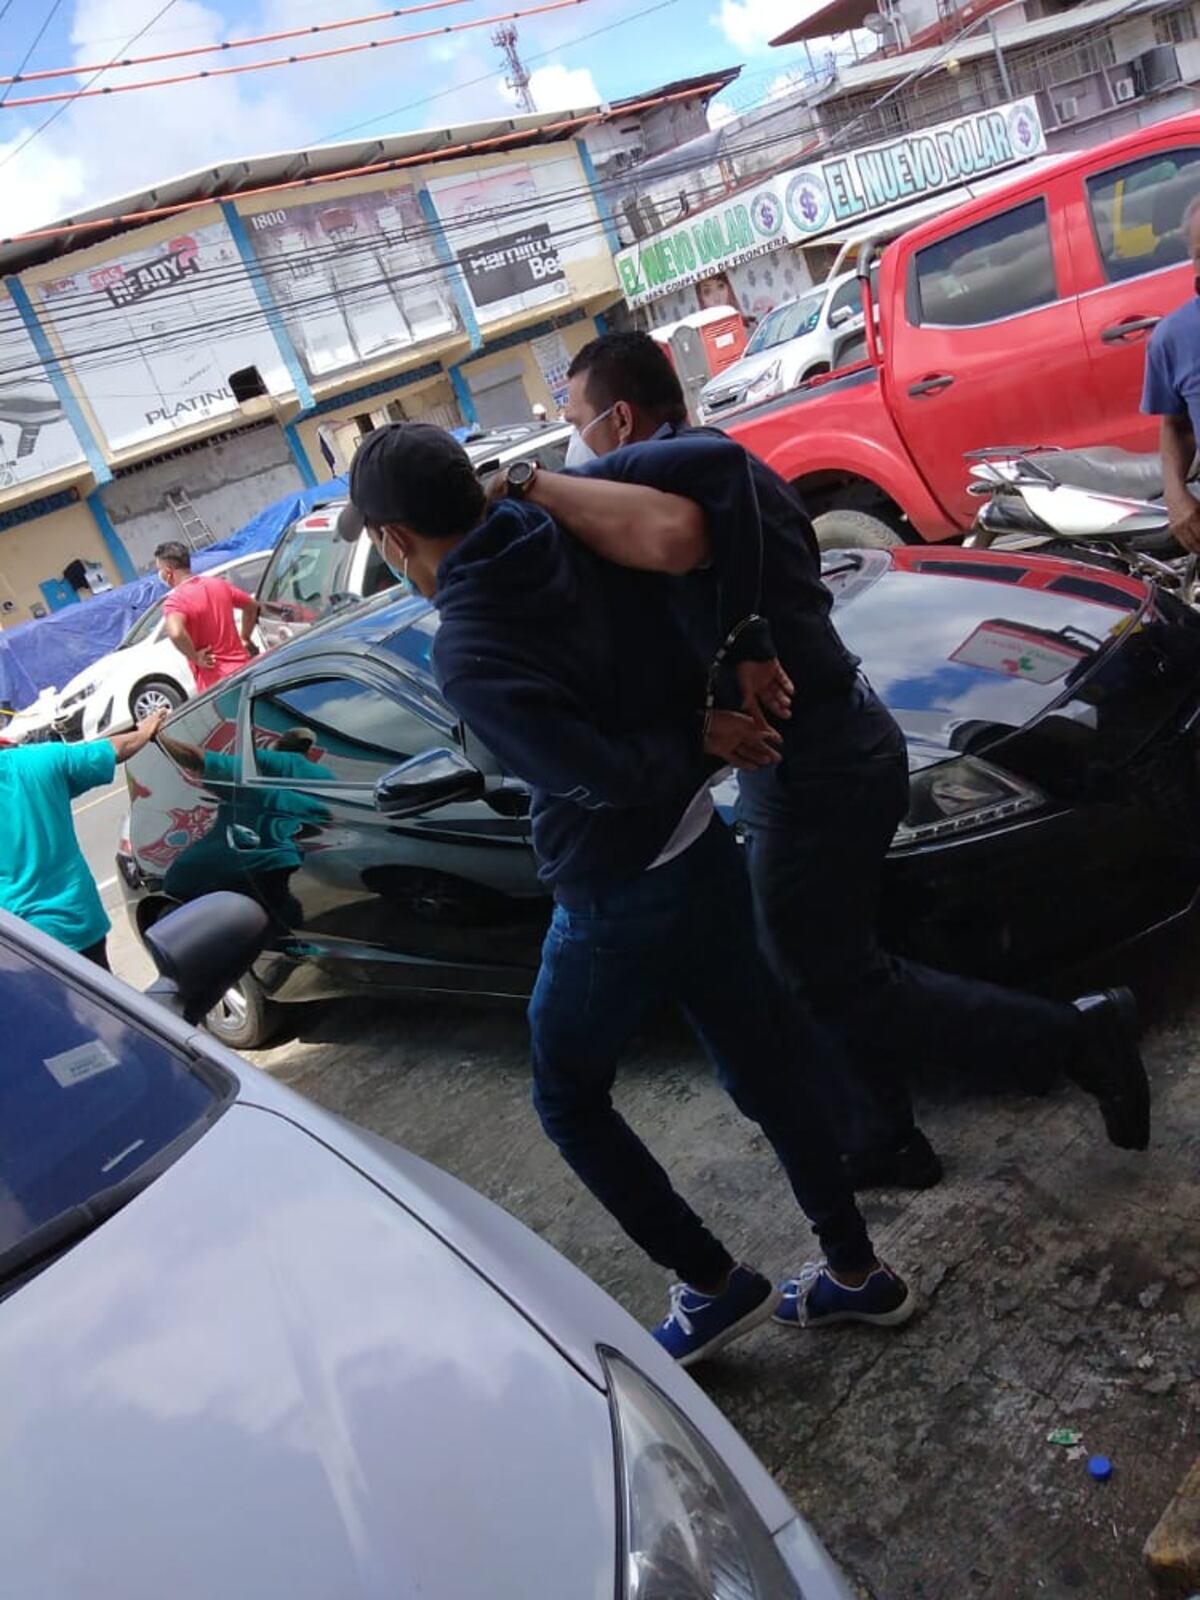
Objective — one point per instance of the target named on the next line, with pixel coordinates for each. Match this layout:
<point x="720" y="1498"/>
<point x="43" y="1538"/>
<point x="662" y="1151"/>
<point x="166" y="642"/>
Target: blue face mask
<point x="399" y="573"/>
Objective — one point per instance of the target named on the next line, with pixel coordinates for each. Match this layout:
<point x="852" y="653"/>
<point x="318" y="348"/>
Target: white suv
<point x="312" y="572"/>
<point x="794" y="342"/>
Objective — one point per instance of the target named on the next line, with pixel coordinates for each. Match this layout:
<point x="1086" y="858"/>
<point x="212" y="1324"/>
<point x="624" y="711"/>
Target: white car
<point x="312" y="572"/>
<point x="792" y="343"/>
<point x="144" y="674"/>
<point x="249" y="1350"/>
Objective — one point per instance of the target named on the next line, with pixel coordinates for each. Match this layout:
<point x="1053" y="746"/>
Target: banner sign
<point x="152" y="337"/>
<point x="511" y="265"/>
<point x="502" y="225"/>
<point x="808" y="201"/>
<point x="355" y="278"/>
<point x="35" y="437"/>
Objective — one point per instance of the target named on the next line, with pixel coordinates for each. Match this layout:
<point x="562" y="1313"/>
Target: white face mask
<point x="579" y="451"/>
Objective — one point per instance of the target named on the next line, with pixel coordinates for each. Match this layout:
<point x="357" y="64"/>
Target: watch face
<point x="520" y="474"/>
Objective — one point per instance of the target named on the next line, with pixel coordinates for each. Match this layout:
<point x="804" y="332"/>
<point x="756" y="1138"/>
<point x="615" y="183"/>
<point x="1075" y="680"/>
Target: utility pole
<point x="505" y="39"/>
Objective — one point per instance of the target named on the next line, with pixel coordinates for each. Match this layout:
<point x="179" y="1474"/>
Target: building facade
<point x="173" y="362"/>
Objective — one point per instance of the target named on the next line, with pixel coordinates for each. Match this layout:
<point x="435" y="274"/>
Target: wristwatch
<point x="519" y="479"/>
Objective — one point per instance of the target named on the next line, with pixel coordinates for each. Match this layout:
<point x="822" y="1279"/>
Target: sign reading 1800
<point x="808" y="201"/>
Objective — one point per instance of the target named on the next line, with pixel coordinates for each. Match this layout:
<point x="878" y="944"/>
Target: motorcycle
<point x="1102" y="506"/>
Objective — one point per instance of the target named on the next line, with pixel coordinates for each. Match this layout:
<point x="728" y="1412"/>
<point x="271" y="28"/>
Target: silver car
<point x="247" y="1349"/>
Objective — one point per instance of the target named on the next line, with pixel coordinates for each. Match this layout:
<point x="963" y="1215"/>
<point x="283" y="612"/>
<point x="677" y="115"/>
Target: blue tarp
<point x="47" y="652"/>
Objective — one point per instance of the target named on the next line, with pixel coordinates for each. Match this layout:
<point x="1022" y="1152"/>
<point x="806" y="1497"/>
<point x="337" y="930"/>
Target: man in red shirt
<point x="199" y="613"/>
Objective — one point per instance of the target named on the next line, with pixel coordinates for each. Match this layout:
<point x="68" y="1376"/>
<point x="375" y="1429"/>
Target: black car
<point x="1051" y="711"/>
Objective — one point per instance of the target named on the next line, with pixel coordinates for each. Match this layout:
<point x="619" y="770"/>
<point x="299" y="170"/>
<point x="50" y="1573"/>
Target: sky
<point x="102" y="148"/>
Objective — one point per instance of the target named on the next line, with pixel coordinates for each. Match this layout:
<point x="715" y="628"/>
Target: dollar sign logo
<point x="808" y="205"/>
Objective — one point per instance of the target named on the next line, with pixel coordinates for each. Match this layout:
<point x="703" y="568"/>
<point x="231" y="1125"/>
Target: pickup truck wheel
<point x="844" y="529"/>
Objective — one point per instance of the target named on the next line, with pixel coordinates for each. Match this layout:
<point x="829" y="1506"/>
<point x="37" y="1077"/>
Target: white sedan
<point x="247" y="1349"/>
<point x="144" y="674"/>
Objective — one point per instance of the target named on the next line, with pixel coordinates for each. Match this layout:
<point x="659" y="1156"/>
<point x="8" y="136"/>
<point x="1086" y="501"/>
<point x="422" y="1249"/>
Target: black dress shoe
<point x="911" y="1165"/>
<point x="1110" y="1067"/>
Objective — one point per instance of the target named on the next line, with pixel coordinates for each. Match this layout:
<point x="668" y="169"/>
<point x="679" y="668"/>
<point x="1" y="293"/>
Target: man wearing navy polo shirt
<point x="1172" y="392"/>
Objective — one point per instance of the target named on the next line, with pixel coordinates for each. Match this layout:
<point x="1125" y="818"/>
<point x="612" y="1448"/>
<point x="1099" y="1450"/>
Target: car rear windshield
<point x="87" y="1098"/>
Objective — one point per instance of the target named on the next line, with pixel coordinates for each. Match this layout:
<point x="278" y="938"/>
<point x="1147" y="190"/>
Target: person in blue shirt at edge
<point x="43" y="876"/>
<point x="820" y="821"/>
<point x="1172" y="392"/>
<point x="575" y="675"/>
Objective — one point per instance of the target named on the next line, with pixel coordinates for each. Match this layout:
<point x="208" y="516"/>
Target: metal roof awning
<point x="837" y="16"/>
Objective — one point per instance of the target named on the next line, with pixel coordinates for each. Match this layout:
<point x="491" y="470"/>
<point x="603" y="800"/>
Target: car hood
<point x="973" y="652"/>
<point x="266" y="1377"/>
<point x="740" y="374"/>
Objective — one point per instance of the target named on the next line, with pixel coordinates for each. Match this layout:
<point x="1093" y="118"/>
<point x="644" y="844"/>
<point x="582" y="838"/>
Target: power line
<point x="486" y="77"/>
<point x="46" y="21"/>
<point x="121" y="60"/>
<point x="12" y="104"/>
<point x="54" y="115"/>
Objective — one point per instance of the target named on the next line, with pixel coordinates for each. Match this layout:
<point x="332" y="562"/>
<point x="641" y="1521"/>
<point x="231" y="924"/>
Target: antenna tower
<point x="505" y="39"/>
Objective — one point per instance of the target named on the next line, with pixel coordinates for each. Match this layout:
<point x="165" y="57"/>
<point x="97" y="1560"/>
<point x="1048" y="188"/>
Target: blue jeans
<point x="683" y="933"/>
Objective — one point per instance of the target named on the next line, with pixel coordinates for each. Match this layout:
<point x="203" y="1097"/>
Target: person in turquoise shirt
<point x="43" y="876"/>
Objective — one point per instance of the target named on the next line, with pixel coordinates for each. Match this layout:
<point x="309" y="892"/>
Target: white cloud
<point x="721" y="114"/>
<point x="102" y="148"/>
<point x="38" y="184"/>
<point x="750" y="25"/>
<point x="560" y="88"/>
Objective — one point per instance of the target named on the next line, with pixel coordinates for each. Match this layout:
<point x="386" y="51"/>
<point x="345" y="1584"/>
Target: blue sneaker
<point x="816" y="1299"/>
<point x="699" y="1325"/>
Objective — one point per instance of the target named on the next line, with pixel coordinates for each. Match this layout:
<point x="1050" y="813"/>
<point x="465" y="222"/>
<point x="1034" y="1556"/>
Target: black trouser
<point x="98" y="953"/>
<point x="819" y="827"/>
<point x="684" y="932"/>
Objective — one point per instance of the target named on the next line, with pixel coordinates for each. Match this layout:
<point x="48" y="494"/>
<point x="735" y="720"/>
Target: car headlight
<point x="688" y="1528"/>
<point x="77" y="697"/>
<point x="961" y="796"/>
<point x="768" y="382"/>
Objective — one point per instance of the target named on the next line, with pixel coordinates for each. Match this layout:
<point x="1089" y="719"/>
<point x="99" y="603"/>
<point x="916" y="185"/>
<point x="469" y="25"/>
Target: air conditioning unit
<point x="1067" y="109"/>
<point x="1157" y="68"/>
<point x="1124" y="89"/>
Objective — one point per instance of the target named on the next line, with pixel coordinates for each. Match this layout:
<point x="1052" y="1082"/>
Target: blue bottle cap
<point x="1100" y="1468"/>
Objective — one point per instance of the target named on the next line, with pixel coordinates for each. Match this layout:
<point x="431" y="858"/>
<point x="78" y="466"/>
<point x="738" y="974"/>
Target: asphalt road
<point x="1060" y="1277"/>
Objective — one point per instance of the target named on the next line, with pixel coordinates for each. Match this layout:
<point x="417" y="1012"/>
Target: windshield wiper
<point x="68" y="1227"/>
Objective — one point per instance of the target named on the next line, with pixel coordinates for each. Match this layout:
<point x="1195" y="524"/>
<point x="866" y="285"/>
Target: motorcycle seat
<point x="1104" y="470"/>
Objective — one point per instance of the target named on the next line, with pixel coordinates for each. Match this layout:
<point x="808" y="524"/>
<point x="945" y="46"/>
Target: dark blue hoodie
<point x="579" y="679"/>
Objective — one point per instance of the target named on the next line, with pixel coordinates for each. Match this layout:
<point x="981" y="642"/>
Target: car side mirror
<point x="203" y="948"/>
<point x="840" y="317"/>
<point x="435" y="778"/>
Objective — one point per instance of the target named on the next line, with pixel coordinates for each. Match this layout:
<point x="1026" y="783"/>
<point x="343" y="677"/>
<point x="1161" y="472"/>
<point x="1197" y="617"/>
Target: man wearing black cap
<point x="576" y="675"/>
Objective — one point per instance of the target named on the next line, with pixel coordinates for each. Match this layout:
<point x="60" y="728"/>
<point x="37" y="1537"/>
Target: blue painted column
<point x="458" y="283"/>
<point x="300" y="455"/>
<point x="112" y="539"/>
<point x="462" y="393"/>
<point x="601" y="322"/>
<point x="602" y="205"/>
<point x="72" y="410"/>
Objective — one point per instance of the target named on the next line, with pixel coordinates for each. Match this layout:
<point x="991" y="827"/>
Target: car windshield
<point x="789" y="321"/>
<point x="144" y="626"/>
<point x="91" y="1106"/>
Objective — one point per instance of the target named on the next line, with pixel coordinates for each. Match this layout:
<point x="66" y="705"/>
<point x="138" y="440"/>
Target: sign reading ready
<point x="809" y="201"/>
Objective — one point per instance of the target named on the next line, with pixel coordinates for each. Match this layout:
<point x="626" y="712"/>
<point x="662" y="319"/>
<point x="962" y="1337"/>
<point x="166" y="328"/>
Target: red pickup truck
<point x="1019" y="318"/>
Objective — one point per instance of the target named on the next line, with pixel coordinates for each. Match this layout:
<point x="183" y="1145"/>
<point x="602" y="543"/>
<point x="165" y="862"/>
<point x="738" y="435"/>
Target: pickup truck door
<point x="1132" y="267"/>
<point x="986" y="346"/>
